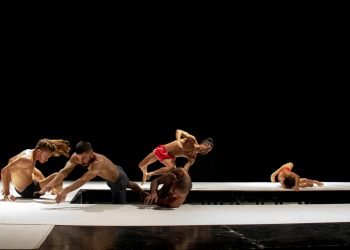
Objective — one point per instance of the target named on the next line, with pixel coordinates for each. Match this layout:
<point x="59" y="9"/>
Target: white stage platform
<point x="209" y="186"/>
<point x="227" y="186"/>
<point x="41" y="215"/>
<point x="45" y="211"/>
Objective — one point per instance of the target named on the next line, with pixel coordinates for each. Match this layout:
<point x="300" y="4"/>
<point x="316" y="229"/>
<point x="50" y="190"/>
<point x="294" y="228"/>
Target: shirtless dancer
<point x="23" y="174"/>
<point x="185" y="145"/>
<point x="176" y="185"/>
<point x="97" y="165"/>
<point x="289" y="179"/>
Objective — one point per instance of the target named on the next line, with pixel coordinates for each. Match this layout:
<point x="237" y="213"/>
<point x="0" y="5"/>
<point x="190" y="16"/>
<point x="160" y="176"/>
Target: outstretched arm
<point x="183" y="134"/>
<point x="75" y="185"/>
<point x="62" y="174"/>
<point x="288" y="165"/>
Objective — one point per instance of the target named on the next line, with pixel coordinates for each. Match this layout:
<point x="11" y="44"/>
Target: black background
<point x="253" y="133"/>
<point x="266" y="92"/>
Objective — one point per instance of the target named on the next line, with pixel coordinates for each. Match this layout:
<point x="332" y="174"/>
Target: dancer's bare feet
<point x="320" y="184"/>
<point x="145" y="177"/>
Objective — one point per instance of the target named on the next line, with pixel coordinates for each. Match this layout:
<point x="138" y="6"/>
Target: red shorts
<point x="161" y="153"/>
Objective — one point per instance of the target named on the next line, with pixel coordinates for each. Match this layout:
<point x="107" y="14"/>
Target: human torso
<point x="104" y="167"/>
<point x="22" y="177"/>
<point x="188" y="150"/>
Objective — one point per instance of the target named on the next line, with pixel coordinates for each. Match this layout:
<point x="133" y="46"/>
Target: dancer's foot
<point x="145" y="177"/>
<point x="320" y="184"/>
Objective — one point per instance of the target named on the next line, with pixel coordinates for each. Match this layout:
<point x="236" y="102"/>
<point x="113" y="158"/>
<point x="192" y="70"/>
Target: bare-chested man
<point x="97" y="165"/>
<point x="26" y="178"/>
<point x="185" y="145"/>
<point x="289" y="179"/>
<point x="176" y="186"/>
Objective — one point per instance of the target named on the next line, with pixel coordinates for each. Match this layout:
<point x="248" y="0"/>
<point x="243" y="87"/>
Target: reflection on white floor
<point x="46" y="212"/>
<point x="34" y="212"/>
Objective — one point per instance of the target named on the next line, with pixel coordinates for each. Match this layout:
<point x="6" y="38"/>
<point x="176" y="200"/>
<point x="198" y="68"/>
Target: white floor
<point x="228" y="186"/>
<point x="205" y="186"/>
<point x="35" y="212"/>
<point x="23" y="236"/>
<point x="46" y="212"/>
<point x="40" y="215"/>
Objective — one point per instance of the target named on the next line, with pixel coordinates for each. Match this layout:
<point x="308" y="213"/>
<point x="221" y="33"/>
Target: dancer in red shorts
<point x="185" y="145"/>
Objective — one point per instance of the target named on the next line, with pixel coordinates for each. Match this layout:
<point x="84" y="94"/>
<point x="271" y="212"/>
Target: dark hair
<point x="289" y="181"/>
<point x="208" y="140"/>
<point x="83" y="147"/>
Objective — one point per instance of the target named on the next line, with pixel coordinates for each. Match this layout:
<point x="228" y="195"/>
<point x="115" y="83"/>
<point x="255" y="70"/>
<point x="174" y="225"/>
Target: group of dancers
<point x="29" y="182"/>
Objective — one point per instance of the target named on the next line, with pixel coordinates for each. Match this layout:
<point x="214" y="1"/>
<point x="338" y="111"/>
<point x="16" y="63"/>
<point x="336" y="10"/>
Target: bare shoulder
<point x="25" y="154"/>
<point x="101" y="161"/>
<point x="74" y="159"/>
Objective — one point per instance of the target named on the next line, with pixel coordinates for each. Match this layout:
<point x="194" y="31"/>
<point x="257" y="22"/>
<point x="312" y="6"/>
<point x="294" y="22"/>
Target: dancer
<point x="185" y="145"/>
<point x="97" y="165"/>
<point x="23" y="174"/>
<point x="176" y="186"/>
<point x="289" y="179"/>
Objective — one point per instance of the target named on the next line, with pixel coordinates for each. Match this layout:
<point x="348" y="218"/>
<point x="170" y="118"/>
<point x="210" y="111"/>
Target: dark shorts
<point x="31" y="191"/>
<point x="118" y="187"/>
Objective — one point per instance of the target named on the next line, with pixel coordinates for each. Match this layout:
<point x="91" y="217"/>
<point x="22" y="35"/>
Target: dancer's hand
<point x="61" y="196"/>
<point x="9" y="197"/>
<point x="45" y="189"/>
<point x="151" y="198"/>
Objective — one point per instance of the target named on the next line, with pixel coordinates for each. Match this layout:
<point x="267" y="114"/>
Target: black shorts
<point x="31" y="191"/>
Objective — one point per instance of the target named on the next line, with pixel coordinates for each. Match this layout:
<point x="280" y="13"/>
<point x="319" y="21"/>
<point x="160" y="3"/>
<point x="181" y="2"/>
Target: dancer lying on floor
<point x="289" y="179"/>
<point x="176" y="186"/>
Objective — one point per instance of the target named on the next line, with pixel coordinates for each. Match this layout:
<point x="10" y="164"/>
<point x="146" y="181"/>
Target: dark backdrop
<point x="268" y="91"/>
<point x="253" y="136"/>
